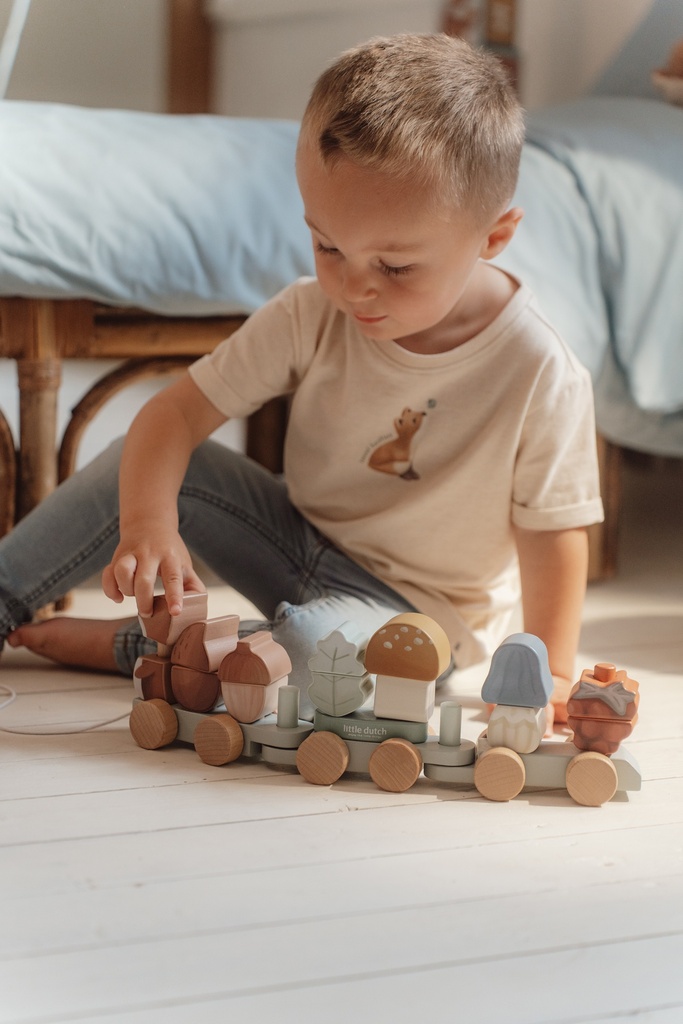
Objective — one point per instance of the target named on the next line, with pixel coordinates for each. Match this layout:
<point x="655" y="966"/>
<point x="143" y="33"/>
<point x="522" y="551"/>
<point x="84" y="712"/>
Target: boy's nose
<point x="357" y="286"/>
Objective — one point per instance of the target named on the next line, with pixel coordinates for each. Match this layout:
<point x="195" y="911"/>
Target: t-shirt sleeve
<point x="557" y="485"/>
<point x="263" y="359"/>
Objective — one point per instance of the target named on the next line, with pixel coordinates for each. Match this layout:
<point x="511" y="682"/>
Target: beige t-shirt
<point x="417" y="466"/>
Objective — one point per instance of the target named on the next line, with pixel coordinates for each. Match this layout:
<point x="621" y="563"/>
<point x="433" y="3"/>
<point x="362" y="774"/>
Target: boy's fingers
<point x="110" y="586"/>
<point x="172" y="580"/>
<point x="118" y="579"/>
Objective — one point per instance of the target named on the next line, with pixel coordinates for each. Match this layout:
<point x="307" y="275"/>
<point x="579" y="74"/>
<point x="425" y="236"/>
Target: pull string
<point x="10" y="696"/>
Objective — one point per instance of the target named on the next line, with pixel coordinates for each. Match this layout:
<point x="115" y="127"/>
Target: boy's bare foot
<point x="82" y="643"/>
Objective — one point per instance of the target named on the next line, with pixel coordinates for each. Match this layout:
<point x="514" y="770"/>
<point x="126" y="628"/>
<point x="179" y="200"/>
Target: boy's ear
<point x="501" y="232"/>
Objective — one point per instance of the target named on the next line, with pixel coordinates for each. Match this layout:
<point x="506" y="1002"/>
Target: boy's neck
<point x="488" y="293"/>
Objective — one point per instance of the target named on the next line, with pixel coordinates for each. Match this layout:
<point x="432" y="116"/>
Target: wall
<point x="94" y="53"/>
<point x="565" y="44"/>
<point x="291" y="42"/>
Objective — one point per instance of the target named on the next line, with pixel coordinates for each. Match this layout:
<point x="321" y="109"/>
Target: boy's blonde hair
<point x="428" y="108"/>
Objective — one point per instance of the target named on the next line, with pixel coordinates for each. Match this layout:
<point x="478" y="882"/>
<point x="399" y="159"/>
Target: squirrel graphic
<point x="394" y="456"/>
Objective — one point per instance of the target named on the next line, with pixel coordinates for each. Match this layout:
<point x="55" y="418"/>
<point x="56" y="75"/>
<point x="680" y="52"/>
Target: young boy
<point x="440" y="433"/>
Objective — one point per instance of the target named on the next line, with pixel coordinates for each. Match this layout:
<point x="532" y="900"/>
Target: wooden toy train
<point x="229" y="697"/>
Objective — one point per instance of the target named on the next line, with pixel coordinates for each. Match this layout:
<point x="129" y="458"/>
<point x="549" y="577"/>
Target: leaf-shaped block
<point x="340" y="683"/>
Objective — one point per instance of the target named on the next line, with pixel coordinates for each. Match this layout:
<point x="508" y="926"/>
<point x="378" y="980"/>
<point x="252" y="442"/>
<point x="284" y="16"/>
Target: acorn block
<point x="252" y="674"/>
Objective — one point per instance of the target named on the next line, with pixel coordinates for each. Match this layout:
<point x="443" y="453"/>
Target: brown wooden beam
<point x="189" y="69"/>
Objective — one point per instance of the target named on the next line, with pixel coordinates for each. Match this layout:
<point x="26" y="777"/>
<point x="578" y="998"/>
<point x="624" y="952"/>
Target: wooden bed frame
<point x="40" y="333"/>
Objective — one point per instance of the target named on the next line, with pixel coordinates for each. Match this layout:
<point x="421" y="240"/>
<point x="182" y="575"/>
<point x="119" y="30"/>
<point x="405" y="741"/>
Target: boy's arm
<point x="553" y="568"/>
<point x="155" y="456"/>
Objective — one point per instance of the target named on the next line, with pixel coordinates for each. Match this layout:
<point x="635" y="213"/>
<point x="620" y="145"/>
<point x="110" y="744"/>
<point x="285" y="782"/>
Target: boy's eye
<point x="395" y="271"/>
<point x="327" y="250"/>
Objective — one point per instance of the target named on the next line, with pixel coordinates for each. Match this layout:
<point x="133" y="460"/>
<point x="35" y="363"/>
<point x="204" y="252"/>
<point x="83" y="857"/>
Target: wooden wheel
<point x="322" y="758"/>
<point x="591" y="779"/>
<point x="218" y="739"/>
<point x="395" y="766"/>
<point x="499" y="774"/>
<point x="153" y="724"/>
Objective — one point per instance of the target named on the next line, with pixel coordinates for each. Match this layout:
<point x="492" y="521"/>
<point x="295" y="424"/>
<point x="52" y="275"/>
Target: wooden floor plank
<point x="362" y="966"/>
<point x="215" y="896"/>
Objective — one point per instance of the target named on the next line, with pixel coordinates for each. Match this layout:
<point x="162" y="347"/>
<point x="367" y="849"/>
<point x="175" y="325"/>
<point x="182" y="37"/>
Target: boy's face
<point x="386" y="255"/>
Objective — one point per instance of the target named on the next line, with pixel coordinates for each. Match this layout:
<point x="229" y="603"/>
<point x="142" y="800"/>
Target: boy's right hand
<point x="151" y="552"/>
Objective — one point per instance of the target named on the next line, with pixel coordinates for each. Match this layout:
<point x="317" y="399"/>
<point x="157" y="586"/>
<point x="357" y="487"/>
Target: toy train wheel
<point x="322" y="758"/>
<point x="499" y="774"/>
<point x="591" y="779"/>
<point x="218" y="739"/>
<point x="153" y="724"/>
<point x="395" y="766"/>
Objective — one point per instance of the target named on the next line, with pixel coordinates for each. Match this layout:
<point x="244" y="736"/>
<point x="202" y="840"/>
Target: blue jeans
<point x="237" y="517"/>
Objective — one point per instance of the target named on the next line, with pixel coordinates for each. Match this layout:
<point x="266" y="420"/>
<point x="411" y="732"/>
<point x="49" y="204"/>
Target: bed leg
<point x="603" y="538"/>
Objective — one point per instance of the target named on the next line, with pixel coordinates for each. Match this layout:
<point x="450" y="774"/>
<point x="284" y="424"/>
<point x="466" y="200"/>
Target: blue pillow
<point x="180" y="215"/>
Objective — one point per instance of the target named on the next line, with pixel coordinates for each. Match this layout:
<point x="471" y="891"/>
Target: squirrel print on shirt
<point x="394" y="456"/>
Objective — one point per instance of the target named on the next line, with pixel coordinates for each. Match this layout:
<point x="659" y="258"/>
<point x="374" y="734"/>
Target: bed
<point x="149" y="236"/>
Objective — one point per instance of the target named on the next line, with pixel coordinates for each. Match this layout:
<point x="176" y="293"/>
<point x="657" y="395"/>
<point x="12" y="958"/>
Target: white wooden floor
<point x="144" y="886"/>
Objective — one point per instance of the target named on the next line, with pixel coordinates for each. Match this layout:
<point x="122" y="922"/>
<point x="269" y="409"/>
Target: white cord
<point x="10" y="42"/>
<point x="11" y="696"/>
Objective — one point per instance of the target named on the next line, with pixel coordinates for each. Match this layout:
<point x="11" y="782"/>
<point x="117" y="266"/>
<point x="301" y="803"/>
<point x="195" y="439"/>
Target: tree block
<point x="499" y="774"/>
<point x="591" y="779"/>
<point x="340" y="683"/>
<point x="218" y="739"/>
<point x="395" y="765"/>
<point x="322" y="758"/>
<point x="153" y="724"/>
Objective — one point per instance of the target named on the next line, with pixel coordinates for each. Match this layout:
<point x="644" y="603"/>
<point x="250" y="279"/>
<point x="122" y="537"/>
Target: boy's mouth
<point x="368" y="319"/>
